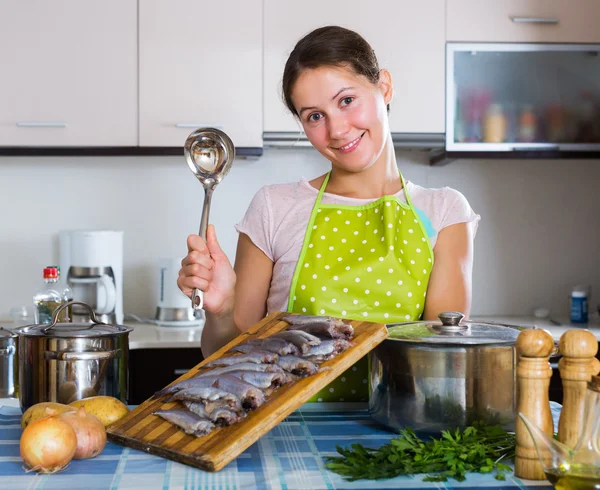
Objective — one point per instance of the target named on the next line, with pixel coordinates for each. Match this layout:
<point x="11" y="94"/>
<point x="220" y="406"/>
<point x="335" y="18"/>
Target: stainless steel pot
<point x="8" y="355"/>
<point x="64" y="362"/>
<point x="433" y="376"/>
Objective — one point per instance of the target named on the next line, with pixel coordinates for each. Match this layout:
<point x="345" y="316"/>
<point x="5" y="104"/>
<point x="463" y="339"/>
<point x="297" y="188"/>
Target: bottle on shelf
<point x="48" y="298"/>
<point x="66" y="293"/>
<point x="527" y="125"/>
<point x="495" y="125"/>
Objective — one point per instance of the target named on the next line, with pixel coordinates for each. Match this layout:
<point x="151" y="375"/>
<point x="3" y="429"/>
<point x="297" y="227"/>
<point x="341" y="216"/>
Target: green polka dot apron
<point x="369" y="262"/>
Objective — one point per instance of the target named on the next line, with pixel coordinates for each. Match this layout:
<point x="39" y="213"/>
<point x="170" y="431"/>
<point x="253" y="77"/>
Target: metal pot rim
<point x="72" y="330"/>
<point x="453" y="331"/>
<point x="37" y="330"/>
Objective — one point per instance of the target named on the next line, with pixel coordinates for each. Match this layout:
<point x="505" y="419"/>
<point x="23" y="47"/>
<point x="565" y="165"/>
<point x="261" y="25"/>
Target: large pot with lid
<point x="64" y="362"/>
<point x="8" y="356"/>
<point x="432" y="376"/>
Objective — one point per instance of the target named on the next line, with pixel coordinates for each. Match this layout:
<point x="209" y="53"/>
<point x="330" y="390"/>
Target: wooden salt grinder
<point x="577" y="366"/>
<point x="534" y="347"/>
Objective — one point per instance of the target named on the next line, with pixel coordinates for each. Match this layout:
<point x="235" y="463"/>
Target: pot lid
<point x="80" y="330"/>
<point x="6" y="333"/>
<point x="453" y="330"/>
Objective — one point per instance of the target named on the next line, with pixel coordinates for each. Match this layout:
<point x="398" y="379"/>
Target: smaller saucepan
<point x="64" y="362"/>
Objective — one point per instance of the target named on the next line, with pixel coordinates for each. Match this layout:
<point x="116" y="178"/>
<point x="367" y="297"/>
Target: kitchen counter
<point x="149" y="336"/>
<point x="290" y="456"/>
<point x="152" y="336"/>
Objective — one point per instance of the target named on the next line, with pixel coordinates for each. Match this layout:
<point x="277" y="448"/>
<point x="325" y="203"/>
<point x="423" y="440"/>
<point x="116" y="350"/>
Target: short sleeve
<point x="458" y="210"/>
<point x="257" y="222"/>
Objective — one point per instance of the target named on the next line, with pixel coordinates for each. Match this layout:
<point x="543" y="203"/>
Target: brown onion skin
<point x="48" y="444"/>
<point x="90" y="432"/>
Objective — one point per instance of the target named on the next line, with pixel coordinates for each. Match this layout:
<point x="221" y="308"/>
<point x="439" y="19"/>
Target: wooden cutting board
<point x="146" y="432"/>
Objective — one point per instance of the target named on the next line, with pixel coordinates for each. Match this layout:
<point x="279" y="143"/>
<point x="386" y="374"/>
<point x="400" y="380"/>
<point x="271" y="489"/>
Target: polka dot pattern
<point x="355" y="267"/>
<point x="369" y="263"/>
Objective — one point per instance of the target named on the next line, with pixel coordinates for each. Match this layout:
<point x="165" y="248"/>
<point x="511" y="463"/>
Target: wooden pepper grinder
<point x="534" y="347"/>
<point x="577" y="366"/>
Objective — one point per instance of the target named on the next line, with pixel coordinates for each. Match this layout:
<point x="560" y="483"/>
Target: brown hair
<point x="329" y="46"/>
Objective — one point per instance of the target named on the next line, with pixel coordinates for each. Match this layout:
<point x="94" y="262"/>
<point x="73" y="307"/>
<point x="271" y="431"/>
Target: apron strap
<point x="406" y="195"/>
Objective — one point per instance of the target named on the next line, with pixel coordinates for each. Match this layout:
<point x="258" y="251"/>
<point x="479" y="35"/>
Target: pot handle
<point x="93" y="317"/>
<point x="8" y="351"/>
<point x="81" y="356"/>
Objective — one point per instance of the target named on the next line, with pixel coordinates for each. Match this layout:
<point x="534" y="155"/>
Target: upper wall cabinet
<point x="200" y="65"/>
<point x="560" y="21"/>
<point x="407" y="36"/>
<point x="68" y="79"/>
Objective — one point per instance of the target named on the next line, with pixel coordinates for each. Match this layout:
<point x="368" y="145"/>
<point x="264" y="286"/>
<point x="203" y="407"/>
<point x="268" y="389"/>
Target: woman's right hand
<point x="206" y="267"/>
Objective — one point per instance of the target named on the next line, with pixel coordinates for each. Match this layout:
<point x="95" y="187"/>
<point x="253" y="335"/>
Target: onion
<point x="91" y="434"/>
<point x="48" y="444"/>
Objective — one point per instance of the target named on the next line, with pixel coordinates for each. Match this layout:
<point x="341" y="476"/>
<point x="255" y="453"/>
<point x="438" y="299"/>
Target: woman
<point x="358" y="242"/>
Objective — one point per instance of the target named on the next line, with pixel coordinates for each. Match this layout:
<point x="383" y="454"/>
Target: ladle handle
<point x="197" y="295"/>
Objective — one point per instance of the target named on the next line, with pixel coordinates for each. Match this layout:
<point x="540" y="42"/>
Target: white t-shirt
<point x="278" y="215"/>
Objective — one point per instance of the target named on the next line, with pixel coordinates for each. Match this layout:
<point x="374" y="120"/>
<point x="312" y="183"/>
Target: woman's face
<point x="344" y="115"/>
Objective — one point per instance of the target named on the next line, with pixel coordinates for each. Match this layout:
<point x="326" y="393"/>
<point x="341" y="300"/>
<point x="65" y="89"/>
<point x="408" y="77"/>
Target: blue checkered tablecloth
<point x="289" y="457"/>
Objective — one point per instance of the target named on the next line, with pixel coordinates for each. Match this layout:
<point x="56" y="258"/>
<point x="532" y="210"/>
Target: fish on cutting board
<point x="297" y="365"/>
<point x="221" y="416"/>
<point x="262" y="379"/>
<point x="250" y="396"/>
<point x="327" y="350"/>
<point x="297" y="338"/>
<point x="279" y="346"/>
<point x="245" y="366"/>
<point x="187" y="421"/>
<point x="255" y="356"/>
<point x="326" y="329"/>
<point x="211" y="397"/>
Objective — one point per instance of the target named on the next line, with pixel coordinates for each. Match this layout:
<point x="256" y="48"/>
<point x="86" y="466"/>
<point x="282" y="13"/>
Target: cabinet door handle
<point x="179" y="372"/>
<point x="534" y="20"/>
<point x="197" y="125"/>
<point x="41" y="124"/>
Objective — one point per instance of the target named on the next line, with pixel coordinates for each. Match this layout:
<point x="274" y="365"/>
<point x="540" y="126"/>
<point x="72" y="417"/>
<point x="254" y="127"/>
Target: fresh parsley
<point x="479" y="448"/>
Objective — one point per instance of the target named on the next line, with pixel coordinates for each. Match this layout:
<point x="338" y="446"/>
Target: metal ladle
<point x="209" y="153"/>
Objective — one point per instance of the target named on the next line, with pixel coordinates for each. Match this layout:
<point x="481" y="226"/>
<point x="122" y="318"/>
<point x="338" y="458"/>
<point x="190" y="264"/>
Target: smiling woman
<point x="359" y="242"/>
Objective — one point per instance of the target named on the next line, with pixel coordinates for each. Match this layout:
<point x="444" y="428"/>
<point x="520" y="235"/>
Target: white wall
<point x="539" y="233"/>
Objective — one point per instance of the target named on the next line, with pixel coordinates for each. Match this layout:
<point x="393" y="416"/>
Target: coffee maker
<point x="92" y="264"/>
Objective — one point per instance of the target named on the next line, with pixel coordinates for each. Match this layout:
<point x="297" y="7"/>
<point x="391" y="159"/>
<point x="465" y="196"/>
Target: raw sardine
<point x="279" y="346"/>
<point x="297" y="365"/>
<point x="327" y="350"/>
<point x="299" y="339"/>
<point x="246" y="366"/>
<point x="310" y="319"/>
<point x="256" y="356"/>
<point x="209" y="396"/>
<point x="262" y="380"/>
<point x="250" y="396"/>
<point x="187" y="421"/>
<point x="326" y="329"/>
<point x="195" y="382"/>
<point x="220" y="416"/>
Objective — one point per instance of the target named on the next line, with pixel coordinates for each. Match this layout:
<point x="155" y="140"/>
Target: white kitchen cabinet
<point x="557" y="21"/>
<point x="407" y="36"/>
<point x="69" y="73"/>
<point x="200" y="65"/>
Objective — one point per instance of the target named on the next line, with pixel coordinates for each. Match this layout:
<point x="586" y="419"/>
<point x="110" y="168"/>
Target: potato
<point x="106" y="408"/>
<point x="38" y="411"/>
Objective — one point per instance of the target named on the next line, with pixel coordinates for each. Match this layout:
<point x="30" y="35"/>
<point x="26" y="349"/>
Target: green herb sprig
<point x="479" y="448"/>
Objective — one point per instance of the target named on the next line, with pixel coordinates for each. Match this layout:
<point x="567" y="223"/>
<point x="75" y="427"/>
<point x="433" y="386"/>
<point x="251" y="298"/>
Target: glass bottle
<point x="48" y="298"/>
<point x="66" y="293"/>
<point x="527" y="125"/>
<point x="495" y="126"/>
